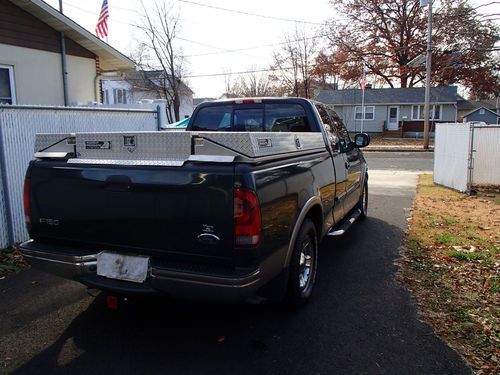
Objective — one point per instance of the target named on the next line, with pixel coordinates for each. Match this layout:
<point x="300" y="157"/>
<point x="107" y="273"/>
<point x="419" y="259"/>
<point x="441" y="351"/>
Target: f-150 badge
<point x="129" y="143"/>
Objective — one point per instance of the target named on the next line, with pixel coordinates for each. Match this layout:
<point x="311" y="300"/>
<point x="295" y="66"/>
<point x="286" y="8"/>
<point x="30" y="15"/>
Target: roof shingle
<point x="413" y="95"/>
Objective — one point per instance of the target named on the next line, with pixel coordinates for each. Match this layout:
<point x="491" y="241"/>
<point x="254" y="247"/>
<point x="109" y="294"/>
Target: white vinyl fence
<point x="18" y="126"/>
<point x="467" y="155"/>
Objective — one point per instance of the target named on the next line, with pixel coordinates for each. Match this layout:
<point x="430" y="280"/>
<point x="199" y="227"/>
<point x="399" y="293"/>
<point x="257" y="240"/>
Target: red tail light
<point x="247" y="220"/>
<point x="27" y="202"/>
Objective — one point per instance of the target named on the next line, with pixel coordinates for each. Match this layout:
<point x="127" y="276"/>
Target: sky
<point x="208" y="35"/>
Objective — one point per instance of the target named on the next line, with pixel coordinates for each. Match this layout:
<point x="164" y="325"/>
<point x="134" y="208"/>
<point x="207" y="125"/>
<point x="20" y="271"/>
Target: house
<point x="467" y="107"/>
<point x="31" y="61"/>
<point x="197" y="101"/>
<point x="391" y="111"/>
<point x="142" y="85"/>
<point x="482" y="114"/>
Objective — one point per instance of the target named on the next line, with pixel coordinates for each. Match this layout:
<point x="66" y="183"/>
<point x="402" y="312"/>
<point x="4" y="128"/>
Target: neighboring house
<point x="482" y="114"/>
<point x="133" y="87"/>
<point x="465" y="106"/>
<point x="397" y="111"/>
<point x="31" y="59"/>
<point x="197" y="101"/>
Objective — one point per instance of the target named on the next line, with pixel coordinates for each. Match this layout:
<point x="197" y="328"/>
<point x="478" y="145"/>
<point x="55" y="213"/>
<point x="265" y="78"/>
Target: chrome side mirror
<point x="361" y="140"/>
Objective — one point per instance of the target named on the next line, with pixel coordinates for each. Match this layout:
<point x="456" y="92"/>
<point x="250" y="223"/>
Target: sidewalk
<point x="398" y="148"/>
<point x="398" y="145"/>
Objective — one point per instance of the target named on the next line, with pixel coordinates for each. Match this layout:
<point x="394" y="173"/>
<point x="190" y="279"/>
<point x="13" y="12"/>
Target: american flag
<point x="363" y="79"/>
<point x="101" y="30"/>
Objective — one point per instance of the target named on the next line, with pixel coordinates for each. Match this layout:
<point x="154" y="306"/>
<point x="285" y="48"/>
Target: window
<point x="106" y="96"/>
<point x="417" y="112"/>
<point x="7" y="89"/>
<point x="286" y="118"/>
<point x="368" y="115"/>
<point x="481" y="111"/>
<point x="120" y="96"/>
<point x="248" y="119"/>
<point x="335" y="128"/>
<point x="268" y="117"/>
<point x="213" y="118"/>
<point x="345" y="143"/>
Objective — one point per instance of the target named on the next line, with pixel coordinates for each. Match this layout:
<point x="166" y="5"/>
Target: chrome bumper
<point x="72" y="264"/>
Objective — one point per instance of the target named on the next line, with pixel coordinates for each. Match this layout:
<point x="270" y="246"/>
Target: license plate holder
<point x="132" y="268"/>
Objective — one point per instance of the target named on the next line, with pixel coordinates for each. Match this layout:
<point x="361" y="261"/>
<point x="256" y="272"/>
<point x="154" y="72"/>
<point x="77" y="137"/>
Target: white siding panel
<point x="451" y="155"/>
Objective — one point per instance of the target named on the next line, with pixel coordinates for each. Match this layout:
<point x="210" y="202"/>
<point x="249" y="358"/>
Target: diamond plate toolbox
<point x="138" y="146"/>
<point x="259" y="144"/>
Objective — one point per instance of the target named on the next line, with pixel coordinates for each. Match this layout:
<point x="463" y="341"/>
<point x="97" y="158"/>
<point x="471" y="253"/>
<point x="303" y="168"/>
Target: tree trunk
<point x="177" y="105"/>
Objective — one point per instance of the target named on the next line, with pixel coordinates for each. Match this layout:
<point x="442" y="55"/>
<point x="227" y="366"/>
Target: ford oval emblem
<point x="208" y="238"/>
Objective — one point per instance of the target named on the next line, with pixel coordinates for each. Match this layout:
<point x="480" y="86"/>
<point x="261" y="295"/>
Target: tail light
<point x="247" y="220"/>
<point x="27" y="202"/>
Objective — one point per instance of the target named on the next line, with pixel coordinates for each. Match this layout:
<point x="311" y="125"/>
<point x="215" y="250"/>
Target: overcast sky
<point x="209" y="33"/>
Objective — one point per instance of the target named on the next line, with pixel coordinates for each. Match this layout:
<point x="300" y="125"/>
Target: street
<point x="360" y="320"/>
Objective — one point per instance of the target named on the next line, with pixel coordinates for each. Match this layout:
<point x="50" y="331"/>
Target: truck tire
<point x="363" y="201"/>
<point x="303" y="266"/>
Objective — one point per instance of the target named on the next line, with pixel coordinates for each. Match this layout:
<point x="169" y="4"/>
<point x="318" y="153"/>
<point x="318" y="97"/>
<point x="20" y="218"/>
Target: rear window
<point x="252" y="118"/>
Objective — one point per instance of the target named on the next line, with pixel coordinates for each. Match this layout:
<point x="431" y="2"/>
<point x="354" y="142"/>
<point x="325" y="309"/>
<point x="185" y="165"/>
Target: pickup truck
<point x="233" y="207"/>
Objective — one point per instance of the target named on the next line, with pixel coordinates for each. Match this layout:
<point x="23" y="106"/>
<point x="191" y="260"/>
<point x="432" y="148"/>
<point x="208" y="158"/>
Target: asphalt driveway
<point x="360" y="320"/>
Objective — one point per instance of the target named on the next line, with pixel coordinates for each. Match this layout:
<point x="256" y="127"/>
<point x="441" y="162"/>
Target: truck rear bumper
<point x="164" y="277"/>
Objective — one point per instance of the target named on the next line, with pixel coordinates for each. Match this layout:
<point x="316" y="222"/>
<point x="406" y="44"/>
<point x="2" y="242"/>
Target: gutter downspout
<point x="97" y="87"/>
<point x="63" y="62"/>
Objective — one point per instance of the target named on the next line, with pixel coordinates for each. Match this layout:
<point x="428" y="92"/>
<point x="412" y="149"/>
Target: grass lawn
<point x="451" y="264"/>
<point x="11" y="261"/>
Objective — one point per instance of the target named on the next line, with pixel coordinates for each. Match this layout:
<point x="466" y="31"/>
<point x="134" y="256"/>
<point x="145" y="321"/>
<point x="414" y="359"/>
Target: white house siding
<point x="186" y="106"/>
<point x="38" y="76"/>
<point x="376" y="125"/>
<point x="369" y="126"/>
<point x="81" y="79"/>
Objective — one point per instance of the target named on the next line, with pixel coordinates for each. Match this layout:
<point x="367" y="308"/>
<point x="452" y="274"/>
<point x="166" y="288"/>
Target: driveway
<point x="360" y="320"/>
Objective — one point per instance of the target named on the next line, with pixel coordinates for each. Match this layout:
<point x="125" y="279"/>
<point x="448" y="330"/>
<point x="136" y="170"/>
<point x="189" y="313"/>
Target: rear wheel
<point x="303" y="266"/>
<point x="363" y="201"/>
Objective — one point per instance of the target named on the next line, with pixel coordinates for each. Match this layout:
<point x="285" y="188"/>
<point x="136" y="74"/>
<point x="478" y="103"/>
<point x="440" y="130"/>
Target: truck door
<point x="340" y="173"/>
<point x="352" y="163"/>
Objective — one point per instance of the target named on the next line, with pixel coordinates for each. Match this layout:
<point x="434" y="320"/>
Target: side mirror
<point x="361" y="140"/>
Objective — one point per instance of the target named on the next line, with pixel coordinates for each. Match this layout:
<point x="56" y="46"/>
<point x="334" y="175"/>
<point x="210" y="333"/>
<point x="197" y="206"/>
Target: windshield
<point x="251" y="118"/>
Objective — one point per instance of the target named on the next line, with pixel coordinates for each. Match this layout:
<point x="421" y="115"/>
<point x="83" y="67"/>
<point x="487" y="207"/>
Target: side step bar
<point x="346" y="224"/>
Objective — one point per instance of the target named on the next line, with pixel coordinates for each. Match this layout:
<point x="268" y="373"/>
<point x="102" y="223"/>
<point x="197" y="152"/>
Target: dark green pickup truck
<point x="231" y="208"/>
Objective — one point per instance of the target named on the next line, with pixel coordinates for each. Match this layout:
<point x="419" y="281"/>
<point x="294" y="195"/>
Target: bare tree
<point x="294" y="63"/>
<point x="160" y="26"/>
<point x="253" y="84"/>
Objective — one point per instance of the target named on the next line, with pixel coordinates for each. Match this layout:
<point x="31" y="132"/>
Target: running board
<point x="346" y="225"/>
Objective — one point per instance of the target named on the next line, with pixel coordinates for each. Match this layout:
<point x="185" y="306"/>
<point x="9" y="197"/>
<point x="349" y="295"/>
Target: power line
<point x="243" y="72"/>
<point x="256" y="47"/>
<point x="220" y="50"/>
<point x="251" y="14"/>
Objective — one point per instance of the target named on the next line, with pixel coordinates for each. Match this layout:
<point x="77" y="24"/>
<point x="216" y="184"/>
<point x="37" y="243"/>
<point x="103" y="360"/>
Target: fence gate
<point x="467" y="155"/>
<point x="18" y="126"/>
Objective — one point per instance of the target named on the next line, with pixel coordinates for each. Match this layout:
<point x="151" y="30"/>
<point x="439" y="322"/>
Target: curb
<point x="374" y="149"/>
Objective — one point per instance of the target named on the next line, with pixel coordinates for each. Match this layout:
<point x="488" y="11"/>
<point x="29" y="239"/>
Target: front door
<point x="393" y="118"/>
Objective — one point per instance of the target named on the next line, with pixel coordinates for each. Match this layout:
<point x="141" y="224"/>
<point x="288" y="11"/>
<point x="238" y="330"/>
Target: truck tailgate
<point x="149" y="210"/>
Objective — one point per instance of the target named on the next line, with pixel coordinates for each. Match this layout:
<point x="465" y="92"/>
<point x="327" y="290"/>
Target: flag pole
<point x="363" y="85"/>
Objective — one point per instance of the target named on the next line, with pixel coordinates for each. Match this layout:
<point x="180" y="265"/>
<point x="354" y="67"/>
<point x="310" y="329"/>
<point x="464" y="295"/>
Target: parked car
<point x="179" y="125"/>
<point x="231" y="208"/>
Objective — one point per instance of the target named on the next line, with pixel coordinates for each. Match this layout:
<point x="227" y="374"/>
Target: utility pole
<point x="428" y="63"/>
